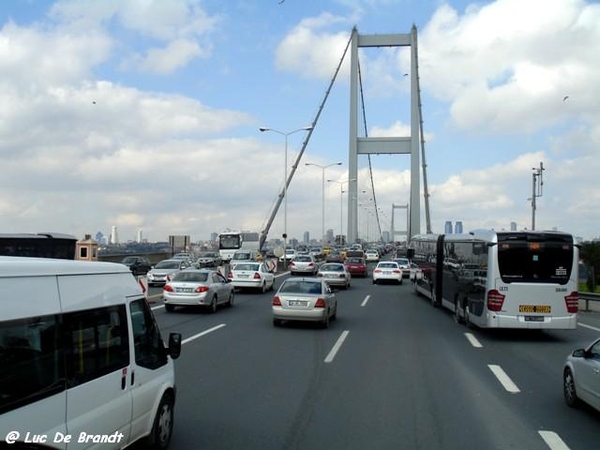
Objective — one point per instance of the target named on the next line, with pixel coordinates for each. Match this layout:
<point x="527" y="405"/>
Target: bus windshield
<point x="229" y="241"/>
<point x="539" y="261"/>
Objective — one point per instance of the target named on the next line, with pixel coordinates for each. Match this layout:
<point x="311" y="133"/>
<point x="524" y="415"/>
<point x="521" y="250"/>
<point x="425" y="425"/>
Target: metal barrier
<point x="590" y="297"/>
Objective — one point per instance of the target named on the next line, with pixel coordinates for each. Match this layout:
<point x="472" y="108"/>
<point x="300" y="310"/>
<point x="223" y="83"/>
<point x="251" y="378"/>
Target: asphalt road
<point x="391" y="373"/>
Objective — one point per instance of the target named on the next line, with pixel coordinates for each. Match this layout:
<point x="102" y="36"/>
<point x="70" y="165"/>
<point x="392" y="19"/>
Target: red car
<point x="357" y="266"/>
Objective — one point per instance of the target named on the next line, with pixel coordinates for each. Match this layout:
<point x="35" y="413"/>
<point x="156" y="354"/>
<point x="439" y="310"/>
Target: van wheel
<point x="162" y="429"/>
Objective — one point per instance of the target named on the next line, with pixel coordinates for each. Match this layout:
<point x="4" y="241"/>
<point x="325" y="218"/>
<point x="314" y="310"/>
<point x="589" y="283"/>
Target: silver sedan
<point x="581" y="376"/>
<point x="304" y="264"/>
<point x="304" y="299"/>
<point x="205" y="288"/>
<point x="335" y="274"/>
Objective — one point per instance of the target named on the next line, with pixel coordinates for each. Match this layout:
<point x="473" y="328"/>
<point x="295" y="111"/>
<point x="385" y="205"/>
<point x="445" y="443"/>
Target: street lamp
<point x="323" y="193"/>
<point x="285" y="183"/>
<point x="341" y="183"/>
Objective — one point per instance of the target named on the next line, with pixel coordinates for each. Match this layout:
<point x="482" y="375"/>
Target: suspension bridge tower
<point x="408" y="145"/>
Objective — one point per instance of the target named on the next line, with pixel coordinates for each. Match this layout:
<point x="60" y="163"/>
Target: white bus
<point x="232" y="241"/>
<point x="500" y="279"/>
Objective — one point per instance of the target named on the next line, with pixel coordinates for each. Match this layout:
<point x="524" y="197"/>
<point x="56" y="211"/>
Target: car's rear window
<point x="332" y="268"/>
<point x="245" y="267"/>
<point x="195" y="277"/>
<point x="300" y="286"/>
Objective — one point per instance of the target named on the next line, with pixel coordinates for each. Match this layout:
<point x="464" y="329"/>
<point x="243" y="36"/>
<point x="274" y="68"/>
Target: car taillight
<point x="276" y="301"/>
<point x="572" y="302"/>
<point x="256" y="276"/>
<point x="311" y="265"/>
<point x="291" y="263"/>
<point x="495" y="300"/>
<point x="230" y="275"/>
<point x="397" y="271"/>
<point x="201" y="289"/>
<point x="168" y="288"/>
<point x="377" y="271"/>
<point x="320" y="303"/>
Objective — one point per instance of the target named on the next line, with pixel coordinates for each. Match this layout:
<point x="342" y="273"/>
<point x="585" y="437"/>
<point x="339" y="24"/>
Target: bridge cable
<point x="264" y="233"/>
<point x="364" y="115"/>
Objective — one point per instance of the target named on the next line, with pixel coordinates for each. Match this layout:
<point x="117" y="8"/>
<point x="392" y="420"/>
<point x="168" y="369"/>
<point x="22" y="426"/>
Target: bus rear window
<point x="544" y="261"/>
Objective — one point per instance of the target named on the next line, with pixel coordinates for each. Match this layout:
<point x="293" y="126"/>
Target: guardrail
<point x="590" y="297"/>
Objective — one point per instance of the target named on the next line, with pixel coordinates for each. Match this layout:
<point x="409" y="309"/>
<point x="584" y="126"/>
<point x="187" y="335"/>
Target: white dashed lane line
<point x="504" y="379"/>
<point x="336" y="346"/>
<point x="473" y="340"/>
<point x="365" y="300"/>
<point x="553" y="440"/>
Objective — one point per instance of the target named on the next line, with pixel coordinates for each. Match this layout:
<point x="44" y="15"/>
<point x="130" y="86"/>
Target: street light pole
<point x="341" y="183"/>
<point x="323" y="195"/>
<point x="285" y="183"/>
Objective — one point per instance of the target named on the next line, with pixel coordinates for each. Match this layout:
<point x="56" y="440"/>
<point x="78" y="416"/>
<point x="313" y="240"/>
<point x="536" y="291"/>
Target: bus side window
<point x="150" y="351"/>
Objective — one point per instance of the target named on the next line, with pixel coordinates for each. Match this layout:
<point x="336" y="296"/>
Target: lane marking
<point x="553" y="440"/>
<point x="588" y="326"/>
<point x="473" y="340"/>
<point x="337" y="346"/>
<point x="504" y="379"/>
<point x="196" y="336"/>
<point x="365" y="300"/>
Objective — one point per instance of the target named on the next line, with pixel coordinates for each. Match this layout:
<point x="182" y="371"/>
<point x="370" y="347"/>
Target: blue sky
<point x="145" y="114"/>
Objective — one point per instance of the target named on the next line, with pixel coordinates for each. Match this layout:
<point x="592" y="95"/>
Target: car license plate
<point x="185" y="290"/>
<point x="297" y="303"/>
<point x="243" y="275"/>
<point x="534" y="318"/>
<point x="387" y="272"/>
<point x="545" y="309"/>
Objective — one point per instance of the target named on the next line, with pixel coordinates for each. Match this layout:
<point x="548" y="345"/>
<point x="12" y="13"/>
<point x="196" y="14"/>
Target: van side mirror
<point x="174" y="345"/>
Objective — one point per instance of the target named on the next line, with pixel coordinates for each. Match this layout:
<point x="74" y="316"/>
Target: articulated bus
<point x="38" y="245"/>
<point x="500" y="279"/>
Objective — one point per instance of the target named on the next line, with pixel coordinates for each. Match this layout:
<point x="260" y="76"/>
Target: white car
<point x="581" y="376"/>
<point x="387" y="271"/>
<point x="290" y="254"/>
<point x="252" y="275"/>
<point x="372" y="255"/>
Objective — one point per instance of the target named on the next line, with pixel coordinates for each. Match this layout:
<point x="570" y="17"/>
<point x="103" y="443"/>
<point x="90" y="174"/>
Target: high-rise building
<point x="330" y="236"/>
<point x="214" y="237"/>
<point x="306" y="239"/>
<point x="513" y="226"/>
<point x="139" y="236"/>
<point x="458" y="228"/>
<point x="448" y="227"/>
<point x="114" y="235"/>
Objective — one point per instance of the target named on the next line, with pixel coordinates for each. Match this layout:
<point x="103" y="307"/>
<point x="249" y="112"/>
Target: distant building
<point x="306" y="239"/>
<point x="513" y="226"/>
<point x="214" y="237"/>
<point x="448" y="227"/>
<point x="458" y="228"/>
<point x="114" y="235"/>
<point x="139" y="236"/>
<point x="330" y="236"/>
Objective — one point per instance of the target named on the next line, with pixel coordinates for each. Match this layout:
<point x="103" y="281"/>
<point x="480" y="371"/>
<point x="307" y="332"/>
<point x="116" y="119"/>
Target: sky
<point x="145" y="114"/>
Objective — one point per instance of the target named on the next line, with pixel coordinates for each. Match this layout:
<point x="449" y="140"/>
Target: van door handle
<point x="132" y="377"/>
<point x="124" y="378"/>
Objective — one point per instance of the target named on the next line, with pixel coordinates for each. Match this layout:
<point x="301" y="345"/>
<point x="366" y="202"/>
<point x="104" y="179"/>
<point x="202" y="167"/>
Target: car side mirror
<point x="174" y="345"/>
<point x="579" y="353"/>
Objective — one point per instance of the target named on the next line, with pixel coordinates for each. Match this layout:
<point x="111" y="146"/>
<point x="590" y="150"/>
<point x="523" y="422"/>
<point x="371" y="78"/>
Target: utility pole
<point x="536" y="190"/>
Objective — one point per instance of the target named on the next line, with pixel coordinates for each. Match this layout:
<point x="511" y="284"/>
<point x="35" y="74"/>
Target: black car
<point x="137" y="264"/>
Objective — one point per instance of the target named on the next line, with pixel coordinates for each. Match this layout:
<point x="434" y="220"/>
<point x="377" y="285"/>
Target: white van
<point x="83" y="364"/>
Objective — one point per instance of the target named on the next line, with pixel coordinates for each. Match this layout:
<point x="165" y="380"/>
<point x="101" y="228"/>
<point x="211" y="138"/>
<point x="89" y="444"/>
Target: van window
<point x="99" y="342"/>
<point x="150" y="351"/>
<point x="32" y="365"/>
